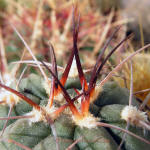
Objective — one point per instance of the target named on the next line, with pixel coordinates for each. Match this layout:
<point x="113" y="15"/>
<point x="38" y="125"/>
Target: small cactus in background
<point x="141" y="87"/>
<point x="40" y="122"/>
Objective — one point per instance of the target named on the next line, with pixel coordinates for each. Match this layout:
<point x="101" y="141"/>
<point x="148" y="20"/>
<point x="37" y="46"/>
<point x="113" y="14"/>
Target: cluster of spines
<point x="57" y="86"/>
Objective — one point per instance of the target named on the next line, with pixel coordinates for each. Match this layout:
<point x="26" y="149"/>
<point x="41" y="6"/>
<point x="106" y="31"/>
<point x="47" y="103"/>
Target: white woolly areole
<point x="8" y="98"/>
<point x="133" y="115"/>
<point x="50" y="111"/>
<point x="8" y="79"/>
<point x="59" y="97"/>
<point x="38" y="115"/>
<point x="73" y="70"/>
<point x="89" y="121"/>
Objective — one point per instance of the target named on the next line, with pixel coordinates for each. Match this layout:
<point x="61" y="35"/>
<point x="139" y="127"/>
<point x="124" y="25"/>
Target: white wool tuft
<point x="8" y="79"/>
<point x="88" y="121"/>
<point x="59" y="97"/>
<point x="132" y="115"/>
<point x="8" y="98"/>
<point x="37" y="116"/>
<point x="50" y="111"/>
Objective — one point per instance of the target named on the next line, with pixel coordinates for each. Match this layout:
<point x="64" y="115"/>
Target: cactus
<point x="39" y="136"/>
<point x="41" y="121"/>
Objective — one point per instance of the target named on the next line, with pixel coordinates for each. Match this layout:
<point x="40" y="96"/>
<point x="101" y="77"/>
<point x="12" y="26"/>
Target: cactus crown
<point x="82" y="116"/>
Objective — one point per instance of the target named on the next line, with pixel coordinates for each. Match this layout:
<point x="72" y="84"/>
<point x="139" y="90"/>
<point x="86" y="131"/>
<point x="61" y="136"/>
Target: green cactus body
<point x="113" y="94"/>
<point x="94" y="139"/>
<point x="65" y="132"/>
<point x="111" y="115"/>
<point x="4" y="113"/>
<point x="26" y="133"/>
<point x="38" y="136"/>
<point x="49" y="143"/>
<point x="33" y="85"/>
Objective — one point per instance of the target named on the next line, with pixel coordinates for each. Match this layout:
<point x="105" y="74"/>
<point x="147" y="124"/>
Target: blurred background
<point x="40" y="21"/>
